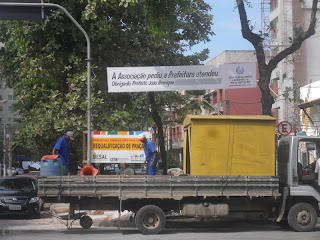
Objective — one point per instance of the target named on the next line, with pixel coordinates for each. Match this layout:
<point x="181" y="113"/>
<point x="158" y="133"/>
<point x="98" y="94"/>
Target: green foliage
<point x="45" y="63"/>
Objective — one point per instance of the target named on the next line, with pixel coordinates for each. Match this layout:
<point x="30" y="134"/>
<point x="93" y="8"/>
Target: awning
<point x="309" y="104"/>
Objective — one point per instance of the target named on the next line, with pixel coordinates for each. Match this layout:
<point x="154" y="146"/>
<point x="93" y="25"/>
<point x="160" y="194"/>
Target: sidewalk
<point x="100" y="218"/>
<point x="50" y="221"/>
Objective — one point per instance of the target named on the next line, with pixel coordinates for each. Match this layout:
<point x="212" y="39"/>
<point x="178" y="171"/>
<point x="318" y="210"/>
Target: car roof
<point x="18" y="177"/>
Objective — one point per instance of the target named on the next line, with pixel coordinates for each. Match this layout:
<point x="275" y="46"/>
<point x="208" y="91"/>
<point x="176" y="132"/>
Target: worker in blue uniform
<point x="62" y="149"/>
<point x="152" y="156"/>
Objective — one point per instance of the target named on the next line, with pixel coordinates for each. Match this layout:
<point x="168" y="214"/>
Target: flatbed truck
<point x="290" y="197"/>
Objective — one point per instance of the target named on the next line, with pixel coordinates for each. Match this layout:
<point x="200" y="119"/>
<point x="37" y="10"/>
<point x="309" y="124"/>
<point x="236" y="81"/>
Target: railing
<point x="175" y="187"/>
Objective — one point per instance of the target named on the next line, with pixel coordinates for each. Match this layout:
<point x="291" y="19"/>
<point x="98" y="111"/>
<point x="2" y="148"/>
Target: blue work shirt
<point x="62" y="147"/>
<point x="149" y="149"/>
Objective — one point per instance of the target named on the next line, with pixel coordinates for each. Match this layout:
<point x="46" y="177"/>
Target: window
<point x="12" y="97"/>
<point x="274" y="29"/>
<point x="308" y="153"/>
<point x="17" y="184"/>
<point x="283" y="152"/>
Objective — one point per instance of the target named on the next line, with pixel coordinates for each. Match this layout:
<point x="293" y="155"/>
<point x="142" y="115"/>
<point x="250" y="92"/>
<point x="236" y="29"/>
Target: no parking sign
<point x="284" y="128"/>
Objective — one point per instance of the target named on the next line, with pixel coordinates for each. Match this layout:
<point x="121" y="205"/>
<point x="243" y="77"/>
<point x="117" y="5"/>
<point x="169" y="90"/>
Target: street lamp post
<point x="7" y="150"/>
<point x="4" y="150"/>
<point x="4" y="146"/>
<point x="167" y="114"/>
<point x="9" y="155"/>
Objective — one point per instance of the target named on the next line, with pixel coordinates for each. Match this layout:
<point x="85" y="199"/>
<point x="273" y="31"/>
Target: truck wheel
<point x="150" y="219"/>
<point x="302" y="217"/>
<point x="86" y="222"/>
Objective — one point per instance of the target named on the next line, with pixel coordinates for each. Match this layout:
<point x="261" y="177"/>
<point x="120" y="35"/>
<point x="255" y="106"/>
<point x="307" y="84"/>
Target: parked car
<point x="18" y="196"/>
<point x="19" y="171"/>
<point x="13" y="171"/>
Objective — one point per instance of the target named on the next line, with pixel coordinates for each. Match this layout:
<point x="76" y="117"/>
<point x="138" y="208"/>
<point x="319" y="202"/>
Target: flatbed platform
<point x="171" y="187"/>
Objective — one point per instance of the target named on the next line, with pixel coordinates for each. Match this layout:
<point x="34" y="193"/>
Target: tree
<point x="44" y="63"/>
<point x="265" y="69"/>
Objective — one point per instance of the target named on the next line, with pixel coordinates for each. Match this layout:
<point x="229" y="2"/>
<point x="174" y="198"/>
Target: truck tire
<point x="86" y="222"/>
<point x="302" y="217"/>
<point x="150" y="219"/>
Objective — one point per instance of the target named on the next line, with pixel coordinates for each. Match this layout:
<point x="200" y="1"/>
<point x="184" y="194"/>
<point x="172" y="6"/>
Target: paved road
<point x="47" y="228"/>
<point x="185" y="234"/>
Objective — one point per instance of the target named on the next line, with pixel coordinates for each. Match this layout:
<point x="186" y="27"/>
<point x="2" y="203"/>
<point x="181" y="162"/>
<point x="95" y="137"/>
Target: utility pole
<point x="147" y="111"/>
<point x="4" y="150"/>
<point x="227" y="102"/>
<point x="9" y="155"/>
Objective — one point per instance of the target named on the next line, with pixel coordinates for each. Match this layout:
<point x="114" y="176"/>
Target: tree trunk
<point x="156" y="118"/>
<point x="266" y="97"/>
<point x="265" y="69"/>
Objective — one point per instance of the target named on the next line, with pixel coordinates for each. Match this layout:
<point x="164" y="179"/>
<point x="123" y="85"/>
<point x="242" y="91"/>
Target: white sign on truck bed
<point x="117" y="147"/>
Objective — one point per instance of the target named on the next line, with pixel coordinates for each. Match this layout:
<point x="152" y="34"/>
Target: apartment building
<point x="7" y="118"/>
<point x="295" y="82"/>
<point x="7" y="98"/>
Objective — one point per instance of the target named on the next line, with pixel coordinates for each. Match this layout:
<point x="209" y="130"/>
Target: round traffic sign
<point x="284" y="128"/>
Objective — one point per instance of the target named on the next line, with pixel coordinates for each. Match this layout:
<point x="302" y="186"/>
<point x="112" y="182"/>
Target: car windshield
<point x="17" y="184"/>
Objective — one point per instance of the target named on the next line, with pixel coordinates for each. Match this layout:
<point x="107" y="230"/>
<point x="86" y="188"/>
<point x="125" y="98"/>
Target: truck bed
<point x="170" y="187"/>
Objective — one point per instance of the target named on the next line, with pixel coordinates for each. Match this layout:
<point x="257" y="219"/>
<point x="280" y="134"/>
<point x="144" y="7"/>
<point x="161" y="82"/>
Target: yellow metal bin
<point x="229" y="145"/>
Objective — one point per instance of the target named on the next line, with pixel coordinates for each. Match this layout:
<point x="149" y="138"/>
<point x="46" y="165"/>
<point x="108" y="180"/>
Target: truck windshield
<point x="26" y="185"/>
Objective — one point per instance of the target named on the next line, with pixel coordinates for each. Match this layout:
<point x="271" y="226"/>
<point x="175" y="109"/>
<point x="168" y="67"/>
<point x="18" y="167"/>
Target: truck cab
<point x="297" y="156"/>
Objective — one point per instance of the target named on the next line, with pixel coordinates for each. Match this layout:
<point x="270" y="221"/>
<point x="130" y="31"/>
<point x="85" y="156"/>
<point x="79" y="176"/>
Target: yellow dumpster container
<point x="229" y="146"/>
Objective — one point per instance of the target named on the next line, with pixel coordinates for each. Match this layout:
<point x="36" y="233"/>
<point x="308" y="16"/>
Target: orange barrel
<point x="88" y="170"/>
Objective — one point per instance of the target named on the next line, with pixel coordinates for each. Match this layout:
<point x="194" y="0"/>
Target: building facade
<point x="295" y="80"/>
<point x="7" y="98"/>
<point x="242" y="101"/>
<point x="7" y="122"/>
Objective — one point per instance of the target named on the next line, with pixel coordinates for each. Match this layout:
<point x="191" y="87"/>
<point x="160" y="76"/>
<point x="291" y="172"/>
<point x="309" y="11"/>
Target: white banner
<point x="117" y="147"/>
<point x="178" y="78"/>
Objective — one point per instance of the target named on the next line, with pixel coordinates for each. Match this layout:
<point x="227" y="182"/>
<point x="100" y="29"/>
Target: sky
<point x="227" y="28"/>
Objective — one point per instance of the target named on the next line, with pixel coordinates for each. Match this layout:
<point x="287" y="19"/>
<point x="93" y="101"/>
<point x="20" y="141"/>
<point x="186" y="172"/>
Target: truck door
<point x="308" y="154"/>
